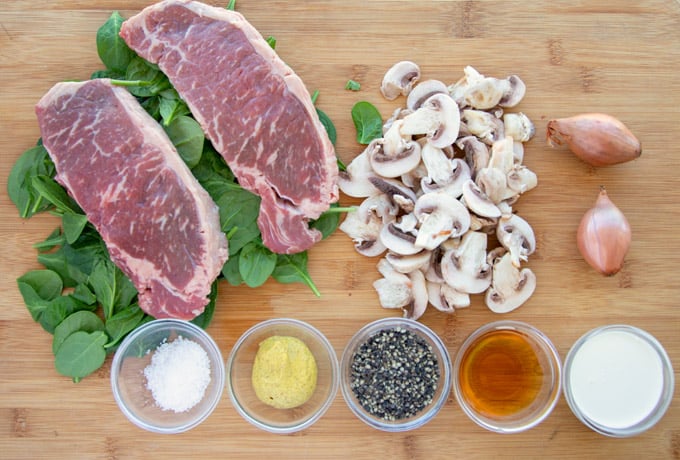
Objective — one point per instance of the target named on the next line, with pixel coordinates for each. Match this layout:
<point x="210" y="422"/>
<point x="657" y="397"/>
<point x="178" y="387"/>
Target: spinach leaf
<point x="40" y="285"/>
<point x="52" y="313"/>
<point x="232" y="5"/>
<point x="170" y="106"/>
<point x="32" y="163"/>
<point x="231" y="272"/>
<point x="352" y="85"/>
<point x="203" y="320"/>
<point x="112" y="49"/>
<point x="327" y="222"/>
<point x="367" y="121"/>
<point x="238" y="216"/>
<point x="124" y="322"/>
<point x="54" y="193"/>
<point x="256" y="264"/>
<point x="74" y="262"/>
<point x="82" y="320"/>
<point x="328" y="125"/>
<point x="187" y="136"/>
<point x="83" y="293"/>
<point x="112" y="288"/>
<point x="73" y="225"/>
<point x="81" y="353"/>
<point x="271" y="41"/>
<point x="144" y="79"/>
<point x="292" y="268"/>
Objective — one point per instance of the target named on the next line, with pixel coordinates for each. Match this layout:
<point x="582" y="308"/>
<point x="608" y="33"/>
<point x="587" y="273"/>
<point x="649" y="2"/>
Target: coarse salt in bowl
<point x="242" y="392"/>
<point x="420" y="356"/>
<point x="167" y="376"/>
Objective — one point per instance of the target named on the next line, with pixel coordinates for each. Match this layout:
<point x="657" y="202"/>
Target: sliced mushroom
<point x="484" y="125"/>
<point x="446" y="299"/>
<point x="465" y="268"/>
<point x="409" y="263"/>
<point x="493" y="179"/>
<point x="517" y="236"/>
<point x="404" y="197"/>
<point x="364" y="232"/>
<point x="511" y="286"/>
<point x="514" y="93"/>
<point x="398" y="114"/>
<point x="394" y="289"/>
<point x="355" y="181"/>
<point x="441" y="217"/>
<point x="437" y="164"/>
<point x="521" y="179"/>
<point x="397" y="240"/>
<point x="399" y="79"/>
<point x="458" y="89"/>
<point x="460" y="173"/>
<point x="483" y="224"/>
<point x="486" y="93"/>
<point x="478" y="202"/>
<point x="419" y="299"/>
<point x="438" y="119"/>
<point x="476" y="153"/>
<point x="518" y="126"/>
<point x="422" y="92"/>
<point x="393" y="160"/>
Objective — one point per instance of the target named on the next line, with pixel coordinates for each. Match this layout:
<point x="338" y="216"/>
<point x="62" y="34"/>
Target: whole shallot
<point x="604" y="236"/>
<point x="596" y="138"/>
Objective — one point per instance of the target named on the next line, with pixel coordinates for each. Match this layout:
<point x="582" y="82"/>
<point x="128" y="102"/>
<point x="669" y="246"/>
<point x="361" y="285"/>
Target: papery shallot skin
<point x="254" y="109"/>
<point x="160" y="226"/>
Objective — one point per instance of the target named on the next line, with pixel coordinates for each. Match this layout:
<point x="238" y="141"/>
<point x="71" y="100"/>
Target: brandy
<point x="500" y="373"/>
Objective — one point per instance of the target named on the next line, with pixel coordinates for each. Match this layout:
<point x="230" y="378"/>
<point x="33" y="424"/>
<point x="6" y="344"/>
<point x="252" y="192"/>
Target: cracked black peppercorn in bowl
<point x="395" y="374"/>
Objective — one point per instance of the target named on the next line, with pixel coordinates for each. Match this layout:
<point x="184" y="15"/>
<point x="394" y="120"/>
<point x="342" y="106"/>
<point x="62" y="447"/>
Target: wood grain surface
<point x="621" y="57"/>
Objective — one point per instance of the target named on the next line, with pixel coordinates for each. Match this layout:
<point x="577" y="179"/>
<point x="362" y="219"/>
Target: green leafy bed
<point x="80" y="296"/>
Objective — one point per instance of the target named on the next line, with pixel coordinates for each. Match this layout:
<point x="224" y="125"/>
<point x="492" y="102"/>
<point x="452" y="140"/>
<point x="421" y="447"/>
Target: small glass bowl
<point x="129" y="383"/>
<point x="441" y="393"/>
<point x="618" y="380"/>
<point x="485" y="393"/>
<point x="240" y="386"/>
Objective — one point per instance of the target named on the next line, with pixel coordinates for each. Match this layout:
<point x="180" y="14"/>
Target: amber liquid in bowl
<point x="500" y="374"/>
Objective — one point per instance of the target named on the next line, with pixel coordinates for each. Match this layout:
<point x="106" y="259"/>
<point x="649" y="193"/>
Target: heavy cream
<point x="616" y="380"/>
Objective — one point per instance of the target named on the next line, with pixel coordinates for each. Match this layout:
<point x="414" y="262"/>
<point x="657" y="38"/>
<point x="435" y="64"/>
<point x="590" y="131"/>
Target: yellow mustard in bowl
<point x="284" y="372"/>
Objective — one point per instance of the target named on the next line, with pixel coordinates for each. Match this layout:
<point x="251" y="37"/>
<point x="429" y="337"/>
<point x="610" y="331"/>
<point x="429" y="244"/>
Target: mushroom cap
<point x="422" y="92"/>
<point x="438" y="118"/>
<point x="465" y="268"/>
<point x="399" y="79"/>
<point x="511" y="287"/>
<point x="441" y="217"/>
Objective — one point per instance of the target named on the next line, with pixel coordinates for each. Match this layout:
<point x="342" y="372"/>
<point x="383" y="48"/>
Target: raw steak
<point x="160" y="226"/>
<point x="252" y="106"/>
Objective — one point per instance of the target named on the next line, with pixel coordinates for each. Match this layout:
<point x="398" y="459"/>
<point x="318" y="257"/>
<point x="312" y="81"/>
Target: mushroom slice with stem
<point x="517" y="236"/>
<point x="399" y="79"/>
<point x="511" y="287"/>
<point x="460" y="173"/>
<point x="397" y="115"/>
<point x="486" y="93"/>
<point x="441" y="217"/>
<point x="355" y="181"/>
<point x="465" y="268"/>
<point x="521" y="179"/>
<point x="493" y="179"/>
<point x="438" y="119"/>
<point x="422" y="92"/>
<point x="484" y="125"/>
<point x="478" y="202"/>
<point x="408" y="263"/>
<point x="365" y="232"/>
<point x="458" y="90"/>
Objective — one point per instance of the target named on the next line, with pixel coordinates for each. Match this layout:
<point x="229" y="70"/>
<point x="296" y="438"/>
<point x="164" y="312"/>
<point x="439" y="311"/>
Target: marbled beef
<point x="252" y="106"/>
<point x="160" y="226"/>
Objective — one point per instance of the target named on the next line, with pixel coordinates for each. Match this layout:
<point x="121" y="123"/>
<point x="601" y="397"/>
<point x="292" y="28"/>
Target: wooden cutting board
<point x="620" y="57"/>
